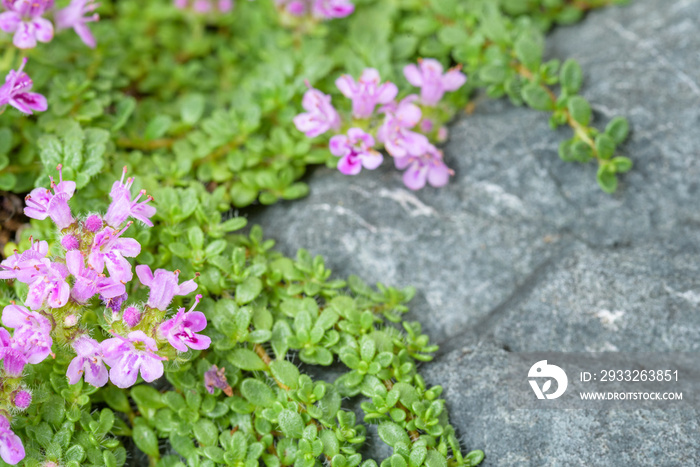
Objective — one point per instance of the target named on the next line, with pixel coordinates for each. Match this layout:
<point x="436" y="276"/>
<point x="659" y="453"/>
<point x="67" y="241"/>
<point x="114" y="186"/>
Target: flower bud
<point x="70" y="242"/>
<point x="93" y="223"/>
<point x="22" y="399"/>
<point x="132" y="316"/>
<point x="70" y="321"/>
<point x="426" y="125"/>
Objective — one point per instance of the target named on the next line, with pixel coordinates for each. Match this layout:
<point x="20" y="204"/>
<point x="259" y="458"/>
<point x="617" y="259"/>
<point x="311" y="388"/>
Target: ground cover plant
<point x="129" y="130"/>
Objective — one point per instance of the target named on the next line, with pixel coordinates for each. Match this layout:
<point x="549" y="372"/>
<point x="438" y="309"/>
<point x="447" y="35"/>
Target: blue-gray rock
<point x="523" y="252"/>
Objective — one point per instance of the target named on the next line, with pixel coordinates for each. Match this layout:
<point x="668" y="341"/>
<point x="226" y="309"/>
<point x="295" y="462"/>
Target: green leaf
<point x="621" y="164"/>
<point x="157" y="127"/>
<point x="247" y="291"/>
<point x="234" y="224"/>
<point x="285" y="372"/>
<point x="5" y="141"/>
<point x="435" y="459"/>
<point x="528" y="49"/>
<point x="493" y="73"/>
<point x="580" y="110"/>
<point x="291" y="423"/>
<point x="605" y="146"/>
<point x="571" y="76"/>
<point x="392" y="434"/>
<point x="206" y="432"/>
<point x="618" y="129"/>
<point x="607" y="179"/>
<point x="191" y="108"/>
<point x="536" y="97"/>
<point x="257" y="393"/>
<point x="7" y="181"/>
<point x="146" y="439"/>
<point x="474" y="458"/>
<point x="125" y="108"/>
<point x="246" y="359"/>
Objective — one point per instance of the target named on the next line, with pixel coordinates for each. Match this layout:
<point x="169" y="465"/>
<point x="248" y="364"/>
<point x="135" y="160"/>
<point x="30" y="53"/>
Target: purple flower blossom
<point x="22" y="399"/>
<point x="131" y="316"/>
<point x="428" y="167"/>
<point x="15" y="264"/>
<point x="75" y="16"/>
<point x="164" y="286"/>
<point x="329" y="9"/>
<point x="23" y="18"/>
<point x="11" y="448"/>
<point x="215" y="377"/>
<point x="16" y="89"/>
<point x="367" y="92"/>
<point x="32" y="333"/>
<point x="47" y="283"/>
<point x="114" y="303"/>
<point x="128" y="355"/>
<point x="42" y="203"/>
<point x="109" y="249"/>
<point x="181" y="330"/>
<point x="355" y="151"/>
<point x="88" y="281"/>
<point x="320" y="115"/>
<point x="88" y="362"/>
<point x="395" y="132"/>
<point x="433" y="83"/>
<point x="122" y="206"/>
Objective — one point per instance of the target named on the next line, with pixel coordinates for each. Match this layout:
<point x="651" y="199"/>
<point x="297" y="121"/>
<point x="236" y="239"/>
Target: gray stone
<point x="523" y="252"/>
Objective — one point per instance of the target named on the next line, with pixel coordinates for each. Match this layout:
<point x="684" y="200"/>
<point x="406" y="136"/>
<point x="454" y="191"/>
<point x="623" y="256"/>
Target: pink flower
<point x="328" y="9"/>
<point x="355" y="151"/>
<point x="433" y="83"/>
<point x="75" y="16"/>
<point x="24" y="19"/>
<point x="47" y="283"/>
<point x="366" y="93"/>
<point x="11" y="448"/>
<point x="15" y="264"/>
<point x="122" y="206"/>
<point x="32" y="335"/>
<point x="395" y="132"/>
<point x="127" y="356"/>
<point x="320" y="117"/>
<point x="88" y="362"/>
<point x="88" y="281"/>
<point x="428" y="167"/>
<point x="109" y="249"/>
<point x="181" y="330"/>
<point x="164" y="286"/>
<point x="41" y="203"/>
<point x="15" y="91"/>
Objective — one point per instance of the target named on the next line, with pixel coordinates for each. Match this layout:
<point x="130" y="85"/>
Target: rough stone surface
<point x="523" y="252"/>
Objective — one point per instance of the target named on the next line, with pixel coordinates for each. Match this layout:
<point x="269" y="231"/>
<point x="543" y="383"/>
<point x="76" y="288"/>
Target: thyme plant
<point x="207" y="105"/>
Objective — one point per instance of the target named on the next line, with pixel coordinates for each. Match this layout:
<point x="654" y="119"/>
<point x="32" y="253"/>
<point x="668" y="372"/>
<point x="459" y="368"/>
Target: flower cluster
<point x="320" y="9"/>
<point x="403" y="129"/>
<point x="25" y="20"/>
<point x="93" y="262"/>
<point x="205" y="6"/>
